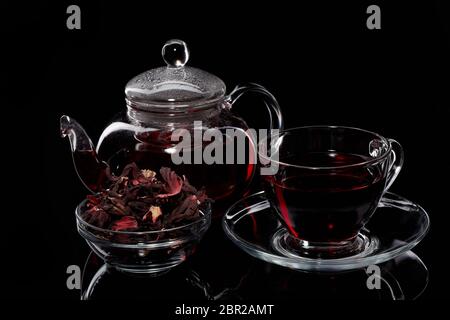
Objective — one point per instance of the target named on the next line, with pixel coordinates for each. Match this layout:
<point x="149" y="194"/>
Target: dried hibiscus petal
<point x="154" y="213"/>
<point x="187" y="187"/>
<point x="173" y="182"/>
<point x="130" y="169"/>
<point x="97" y="217"/>
<point x="202" y="196"/>
<point x="118" y="206"/>
<point x="93" y="199"/>
<point x="187" y="208"/>
<point x="136" y="200"/>
<point x="138" y="206"/>
<point x="146" y="176"/>
<point x="125" y="223"/>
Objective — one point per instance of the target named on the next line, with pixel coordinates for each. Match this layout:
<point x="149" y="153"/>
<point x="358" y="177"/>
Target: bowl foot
<point x="153" y="270"/>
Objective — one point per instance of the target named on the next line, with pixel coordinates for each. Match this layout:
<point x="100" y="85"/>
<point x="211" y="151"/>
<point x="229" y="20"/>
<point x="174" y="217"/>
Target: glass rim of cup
<point x="372" y="161"/>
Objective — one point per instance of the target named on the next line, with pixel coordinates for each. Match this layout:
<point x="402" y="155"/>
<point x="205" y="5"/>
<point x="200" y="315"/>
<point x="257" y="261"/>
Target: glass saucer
<point x="395" y="228"/>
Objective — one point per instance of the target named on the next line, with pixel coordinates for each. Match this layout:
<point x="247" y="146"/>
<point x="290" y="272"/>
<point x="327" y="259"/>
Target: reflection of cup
<point x="329" y="182"/>
<point x="403" y="278"/>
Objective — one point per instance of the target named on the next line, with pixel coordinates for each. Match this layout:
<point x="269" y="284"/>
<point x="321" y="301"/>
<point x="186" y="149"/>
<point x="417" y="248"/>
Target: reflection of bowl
<point x="144" y="251"/>
<point x="101" y="282"/>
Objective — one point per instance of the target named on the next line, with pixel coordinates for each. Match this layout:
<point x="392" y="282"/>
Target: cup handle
<point x="276" y="119"/>
<point x="398" y="158"/>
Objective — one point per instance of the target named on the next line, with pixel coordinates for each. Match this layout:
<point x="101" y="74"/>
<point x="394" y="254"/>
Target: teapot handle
<point x="276" y="118"/>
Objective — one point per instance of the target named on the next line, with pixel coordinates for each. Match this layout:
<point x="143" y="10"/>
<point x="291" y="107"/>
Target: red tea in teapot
<point x="220" y="180"/>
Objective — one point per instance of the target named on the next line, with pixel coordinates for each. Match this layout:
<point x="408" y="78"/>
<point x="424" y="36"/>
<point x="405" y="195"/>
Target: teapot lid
<point x="175" y="85"/>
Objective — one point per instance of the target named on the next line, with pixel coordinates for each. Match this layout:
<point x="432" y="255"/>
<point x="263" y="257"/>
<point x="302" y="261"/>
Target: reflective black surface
<point x="319" y="60"/>
<point x="208" y="277"/>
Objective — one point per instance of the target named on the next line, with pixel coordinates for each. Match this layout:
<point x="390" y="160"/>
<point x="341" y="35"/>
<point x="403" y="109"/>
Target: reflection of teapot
<point x="159" y="101"/>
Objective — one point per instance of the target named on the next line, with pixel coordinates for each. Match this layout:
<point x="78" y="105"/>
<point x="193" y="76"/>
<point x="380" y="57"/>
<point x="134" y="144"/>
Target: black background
<point x="319" y="60"/>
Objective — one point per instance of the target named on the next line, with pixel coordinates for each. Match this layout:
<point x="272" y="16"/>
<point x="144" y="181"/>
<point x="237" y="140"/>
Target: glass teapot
<point x="158" y="102"/>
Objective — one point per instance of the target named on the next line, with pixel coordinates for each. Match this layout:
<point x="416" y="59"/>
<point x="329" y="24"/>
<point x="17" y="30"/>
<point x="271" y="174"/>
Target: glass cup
<point x="327" y="184"/>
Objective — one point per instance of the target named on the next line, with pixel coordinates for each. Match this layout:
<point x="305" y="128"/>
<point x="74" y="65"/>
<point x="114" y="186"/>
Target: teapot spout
<point x="90" y="169"/>
<point x="79" y="140"/>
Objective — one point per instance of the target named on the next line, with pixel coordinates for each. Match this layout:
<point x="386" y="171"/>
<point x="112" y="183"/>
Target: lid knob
<point x="175" y="53"/>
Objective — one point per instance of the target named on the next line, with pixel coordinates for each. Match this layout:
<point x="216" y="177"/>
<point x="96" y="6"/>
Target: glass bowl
<point x="146" y="252"/>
